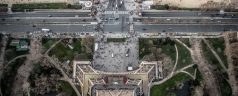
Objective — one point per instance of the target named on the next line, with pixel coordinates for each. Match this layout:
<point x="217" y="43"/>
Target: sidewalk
<point x="61" y="10"/>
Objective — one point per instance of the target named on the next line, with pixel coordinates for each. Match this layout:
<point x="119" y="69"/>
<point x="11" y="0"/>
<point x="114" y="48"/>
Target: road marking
<point x="114" y="12"/>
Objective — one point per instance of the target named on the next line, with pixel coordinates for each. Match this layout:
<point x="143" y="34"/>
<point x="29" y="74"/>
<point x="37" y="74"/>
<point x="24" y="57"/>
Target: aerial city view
<point x="118" y="47"/>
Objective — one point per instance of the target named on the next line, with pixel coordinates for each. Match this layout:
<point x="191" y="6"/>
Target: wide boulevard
<point x="150" y="21"/>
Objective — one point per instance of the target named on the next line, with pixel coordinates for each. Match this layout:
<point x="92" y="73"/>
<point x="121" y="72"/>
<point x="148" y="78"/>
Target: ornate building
<point x="97" y="83"/>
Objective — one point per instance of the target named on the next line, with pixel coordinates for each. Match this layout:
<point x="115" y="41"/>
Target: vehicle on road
<point x="121" y="2"/>
<point x="127" y="52"/>
<point x="45" y="30"/>
<point x="112" y="55"/>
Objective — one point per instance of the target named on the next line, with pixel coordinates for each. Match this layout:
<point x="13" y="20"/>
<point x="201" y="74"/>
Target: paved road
<point x="67" y="22"/>
<point x="188" y="14"/>
<point x="47" y="20"/>
<point x="113" y="3"/>
<point x="54" y="28"/>
<point x="116" y="28"/>
<point x="46" y="14"/>
<point x="184" y="28"/>
<point x="187" y="20"/>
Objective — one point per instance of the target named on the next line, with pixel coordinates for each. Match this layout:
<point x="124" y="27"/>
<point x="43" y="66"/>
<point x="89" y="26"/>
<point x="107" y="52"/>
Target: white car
<point x="112" y="55"/>
<point x="121" y="2"/>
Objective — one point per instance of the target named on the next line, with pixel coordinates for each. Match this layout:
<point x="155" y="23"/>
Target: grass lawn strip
<point x="222" y="77"/>
<point x="184" y="56"/>
<point x="9" y="75"/>
<point x="66" y="87"/>
<point x="46" y="42"/>
<point x="65" y="51"/>
<point x="163" y="89"/>
<point x="218" y="45"/>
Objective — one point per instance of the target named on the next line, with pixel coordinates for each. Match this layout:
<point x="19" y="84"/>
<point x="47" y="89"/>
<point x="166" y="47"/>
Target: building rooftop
<point x="133" y="81"/>
<point x="97" y="81"/>
<point x="145" y="68"/>
<point x="115" y="93"/>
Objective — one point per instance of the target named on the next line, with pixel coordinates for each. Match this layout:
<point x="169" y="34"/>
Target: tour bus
<point x="45" y="30"/>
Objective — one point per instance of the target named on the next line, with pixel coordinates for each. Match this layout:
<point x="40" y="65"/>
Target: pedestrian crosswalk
<point x="116" y="12"/>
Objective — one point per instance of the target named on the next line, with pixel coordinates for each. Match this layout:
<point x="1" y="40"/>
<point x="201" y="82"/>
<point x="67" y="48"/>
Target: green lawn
<point x="66" y="87"/>
<point x="8" y="77"/>
<point x="185" y="41"/>
<point x="47" y="42"/>
<point x="63" y="52"/>
<point x="190" y="70"/>
<point x="184" y="57"/>
<point x="199" y="78"/>
<point x="163" y="89"/>
<point x="10" y="51"/>
<point x="3" y="7"/>
<point x="225" y="88"/>
<point x="221" y="75"/>
<point x="77" y="46"/>
<point x="169" y="50"/>
<point x="160" y="7"/>
<point x="210" y="57"/>
<point x="218" y="45"/>
<point x="40" y="72"/>
<point x="143" y="48"/>
<point x="168" y="7"/>
<point x="166" y="45"/>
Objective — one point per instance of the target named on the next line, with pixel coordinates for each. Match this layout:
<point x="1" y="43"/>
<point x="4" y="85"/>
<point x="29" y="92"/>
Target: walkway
<point x="230" y="70"/>
<point x="56" y="64"/>
<point x="52" y="46"/>
<point x="215" y="54"/>
<point x="4" y="43"/>
<point x="182" y="70"/>
<point x="20" y="56"/>
<point x="176" y="61"/>
<point x="175" y="73"/>
<point x="205" y="68"/>
<point x="21" y="85"/>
